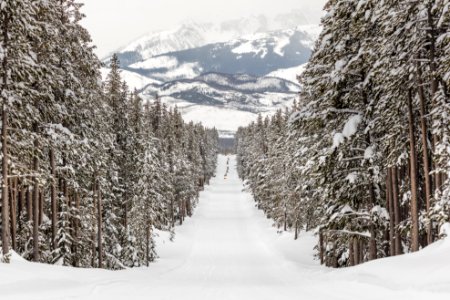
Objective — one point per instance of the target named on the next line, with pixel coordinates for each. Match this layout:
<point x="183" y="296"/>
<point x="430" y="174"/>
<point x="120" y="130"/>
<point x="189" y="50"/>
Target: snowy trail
<point x="229" y="250"/>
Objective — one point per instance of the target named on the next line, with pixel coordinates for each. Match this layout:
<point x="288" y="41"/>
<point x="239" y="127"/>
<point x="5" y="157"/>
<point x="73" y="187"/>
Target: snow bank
<point x="230" y="250"/>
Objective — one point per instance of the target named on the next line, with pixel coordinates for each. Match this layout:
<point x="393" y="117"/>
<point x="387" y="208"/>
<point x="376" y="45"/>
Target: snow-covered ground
<point x="229" y="250"/>
<point x="289" y="73"/>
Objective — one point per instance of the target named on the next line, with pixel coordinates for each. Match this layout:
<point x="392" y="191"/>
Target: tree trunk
<point x="414" y="179"/>
<point x="22" y="201"/>
<point x="76" y="225"/>
<point x="99" y="228"/>
<point x="41" y="207"/>
<point x="390" y="203"/>
<point x="425" y="152"/>
<point x="172" y="212"/>
<point x="5" y="202"/>
<point x="356" y="251"/>
<point x="372" y="239"/>
<point x="53" y="200"/>
<point x="29" y="205"/>
<point x="434" y="81"/>
<point x="395" y="201"/>
<point x="5" y="117"/>
<point x="14" y="195"/>
<point x="93" y="237"/>
<point x="351" y="257"/>
<point x="35" y="201"/>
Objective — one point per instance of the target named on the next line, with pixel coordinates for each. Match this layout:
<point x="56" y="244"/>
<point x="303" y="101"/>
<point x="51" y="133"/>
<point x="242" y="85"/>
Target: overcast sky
<point x="114" y="23"/>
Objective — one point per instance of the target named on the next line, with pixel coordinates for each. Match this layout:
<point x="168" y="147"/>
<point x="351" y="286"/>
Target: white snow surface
<point x="222" y="119"/>
<point x="289" y="73"/>
<point x="133" y="80"/>
<point x="229" y="250"/>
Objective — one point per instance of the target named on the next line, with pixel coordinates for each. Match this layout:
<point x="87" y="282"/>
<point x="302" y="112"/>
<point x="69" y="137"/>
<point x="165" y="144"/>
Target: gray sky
<point x="114" y="23"/>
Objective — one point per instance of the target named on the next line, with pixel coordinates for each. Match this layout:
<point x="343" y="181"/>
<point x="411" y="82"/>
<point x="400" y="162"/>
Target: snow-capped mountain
<point x="192" y="34"/>
<point x="222" y="74"/>
<point x="258" y="54"/>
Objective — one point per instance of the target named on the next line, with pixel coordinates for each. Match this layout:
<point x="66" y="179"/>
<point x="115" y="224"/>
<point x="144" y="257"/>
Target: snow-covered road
<point x="229" y="250"/>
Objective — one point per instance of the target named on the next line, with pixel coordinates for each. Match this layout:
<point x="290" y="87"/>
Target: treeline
<point x="364" y="156"/>
<point x="89" y="169"/>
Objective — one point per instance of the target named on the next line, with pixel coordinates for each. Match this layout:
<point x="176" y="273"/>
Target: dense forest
<point x="364" y="154"/>
<point x="89" y="169"/>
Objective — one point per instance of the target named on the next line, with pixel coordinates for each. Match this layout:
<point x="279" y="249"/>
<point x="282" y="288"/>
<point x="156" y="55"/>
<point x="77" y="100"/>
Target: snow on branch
<point x="348" y="232"/>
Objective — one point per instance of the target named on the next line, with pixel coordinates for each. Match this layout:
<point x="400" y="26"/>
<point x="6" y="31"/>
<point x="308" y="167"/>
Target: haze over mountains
<point x="222" y="74"/>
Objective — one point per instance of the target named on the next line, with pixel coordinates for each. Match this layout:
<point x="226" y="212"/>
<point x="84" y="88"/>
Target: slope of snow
<point x="133" y="80"/>
<point x="186" y="36"/>
<point x="225" y="119"/>
<point x="229" y="250"/>
<point x="221" y="118"/>
<point x="157" y="63"/>
<point x="182" y="71"/>
<point x="281" y="43"/>
<point x="289" y="73"/>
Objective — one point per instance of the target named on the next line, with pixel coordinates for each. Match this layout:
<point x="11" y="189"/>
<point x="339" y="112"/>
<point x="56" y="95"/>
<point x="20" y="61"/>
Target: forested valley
<point x="89" y="169"/>
<point x="363" y="157"/>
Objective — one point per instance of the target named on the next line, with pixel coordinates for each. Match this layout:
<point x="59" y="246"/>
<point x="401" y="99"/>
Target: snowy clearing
<point x="229" y="250"/>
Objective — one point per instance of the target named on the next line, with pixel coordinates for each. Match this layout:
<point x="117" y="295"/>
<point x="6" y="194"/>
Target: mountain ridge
<point x="229" y="78"/>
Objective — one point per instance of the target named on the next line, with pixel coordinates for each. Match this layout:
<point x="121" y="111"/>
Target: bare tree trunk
<point x="372" y="243"/>
<point x="93" y="237"/>
<point x="172" y="212"/>
<point x="395" y="201"/>
<point x="76" y="225"/>
<point x="14" y="195"/>
<point x="425" y="152"/>
<point x="35" y="201"/>
<point x="356" y="251"/>
<point x="22" y="197"/>
<point x="41" y="207"/>
<point x="351" y="257"/>
<point x="5" y="117"/>
<point x="53" y="200"/>
<point x="373" y="238"/>
<point x="390" y="203"/>
<point x="413" y="176"/>
<point x="125" y="213"/>
<point x="361" y="251"/>
<point x="5" y="202"/>
<point x="434" y="81"/>
<point x="99" y="228"/>
<point x="29" y="205"/>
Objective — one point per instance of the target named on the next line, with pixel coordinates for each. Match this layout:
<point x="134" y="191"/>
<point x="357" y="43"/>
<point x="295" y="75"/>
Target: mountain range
<point x="222" y="74"/>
